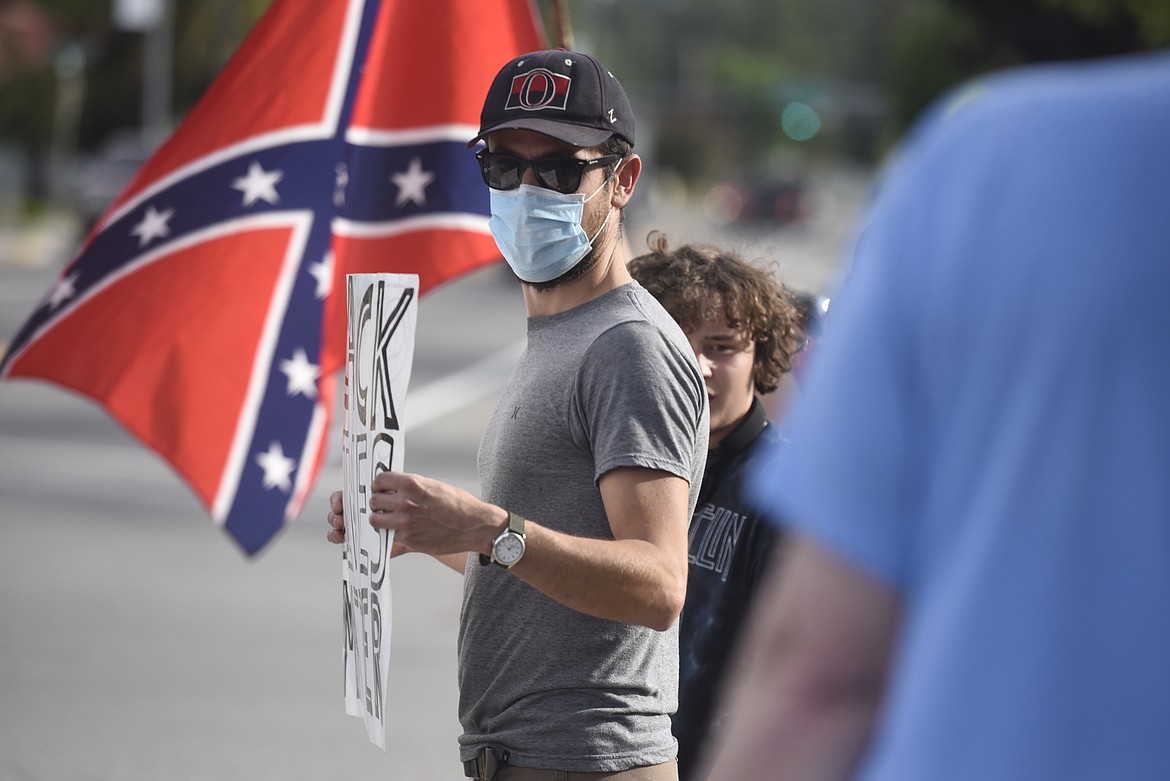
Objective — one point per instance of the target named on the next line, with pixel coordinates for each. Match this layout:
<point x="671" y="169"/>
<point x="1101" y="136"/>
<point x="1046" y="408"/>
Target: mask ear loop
<point x="601" y="227"/>
<point x="609" y="213"/>
<point x="604" y="182"/>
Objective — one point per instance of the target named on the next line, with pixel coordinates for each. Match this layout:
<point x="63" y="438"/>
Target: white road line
<point x="440" y="398"/>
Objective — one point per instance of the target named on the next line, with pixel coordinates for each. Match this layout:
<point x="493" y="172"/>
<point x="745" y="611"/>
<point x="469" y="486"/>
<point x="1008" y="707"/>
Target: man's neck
<point x="608" y="273"/>
<point x="740" y="433"/>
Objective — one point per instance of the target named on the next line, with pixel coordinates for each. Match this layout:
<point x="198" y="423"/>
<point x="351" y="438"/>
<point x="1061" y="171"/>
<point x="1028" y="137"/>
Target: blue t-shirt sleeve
<point x="846" y="478"/>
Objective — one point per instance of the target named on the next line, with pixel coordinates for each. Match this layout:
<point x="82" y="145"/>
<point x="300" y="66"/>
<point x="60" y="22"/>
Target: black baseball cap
<point x="567" y="95"/>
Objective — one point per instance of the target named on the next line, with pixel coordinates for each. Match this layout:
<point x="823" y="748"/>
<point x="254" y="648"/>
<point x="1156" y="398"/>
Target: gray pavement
<point x="137" y="643"/>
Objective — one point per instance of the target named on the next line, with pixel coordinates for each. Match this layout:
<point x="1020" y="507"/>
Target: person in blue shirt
<point x="745" y="330"/>
<point x="978" y="479"/>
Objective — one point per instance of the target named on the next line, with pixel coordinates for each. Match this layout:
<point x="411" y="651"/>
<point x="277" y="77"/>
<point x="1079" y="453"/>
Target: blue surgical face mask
<point x="539" y="230"/>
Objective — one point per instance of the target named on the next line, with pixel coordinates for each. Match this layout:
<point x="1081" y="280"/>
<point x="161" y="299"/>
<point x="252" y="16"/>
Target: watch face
<point x="508" y="549"/>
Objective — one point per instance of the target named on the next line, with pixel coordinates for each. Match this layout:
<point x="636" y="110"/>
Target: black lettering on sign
<point x="382" y="457"/>
<point x="374" y="689"/>
<point x="355" y="612"/>
<point x="387" y="326"/>
<point x="360" y="392"/>
<point x="347" y="619"/>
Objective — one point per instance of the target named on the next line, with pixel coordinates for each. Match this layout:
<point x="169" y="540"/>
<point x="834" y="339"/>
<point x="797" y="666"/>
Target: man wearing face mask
<point x="575" y="558"/>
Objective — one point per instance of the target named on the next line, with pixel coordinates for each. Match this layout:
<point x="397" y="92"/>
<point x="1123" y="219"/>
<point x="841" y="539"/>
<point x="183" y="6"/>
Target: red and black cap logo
<point x="567" y="95"/>
<point x="539" y="89"/>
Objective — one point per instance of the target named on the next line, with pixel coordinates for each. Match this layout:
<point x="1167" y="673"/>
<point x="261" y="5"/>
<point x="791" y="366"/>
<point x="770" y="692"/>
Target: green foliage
<point x="1150" y="18"/>
<point x="26" y="111"/>
<point x="207" y="32"/>
<point x="207" y="35"/>
<point x="941" y="43"/>
<point x="711" y="78"/>
<point x="77" y="16"/>
<point x="935" y="48"/>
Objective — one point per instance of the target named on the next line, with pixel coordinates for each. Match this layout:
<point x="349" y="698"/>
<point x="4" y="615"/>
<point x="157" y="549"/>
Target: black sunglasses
<point x="563" y="174"/>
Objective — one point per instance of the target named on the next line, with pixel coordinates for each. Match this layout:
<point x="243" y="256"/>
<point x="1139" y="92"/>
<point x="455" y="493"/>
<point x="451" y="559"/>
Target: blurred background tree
<point x="941" y="43"/>
<point x="724" y="87"/>
<point x="742" y="86"/>
<point x="71" y="80"/>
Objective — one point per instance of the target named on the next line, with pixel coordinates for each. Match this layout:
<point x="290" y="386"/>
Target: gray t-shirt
<point x="610" y="383"/>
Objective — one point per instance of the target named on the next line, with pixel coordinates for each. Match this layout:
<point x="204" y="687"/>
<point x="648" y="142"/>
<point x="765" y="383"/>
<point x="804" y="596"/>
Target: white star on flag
<point x="412" y="184"/>
<point x="258" y="185"/>
<point x="302" y="375"/>
<point x="63" y="290"/>
<point x="153" y="226"/>
<point x="323" y="273"/>
<point x="277" y="467"/>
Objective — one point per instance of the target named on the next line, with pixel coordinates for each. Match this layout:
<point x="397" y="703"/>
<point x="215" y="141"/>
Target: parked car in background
<point x="103" y="177"/>
<point x="773" y="201"/>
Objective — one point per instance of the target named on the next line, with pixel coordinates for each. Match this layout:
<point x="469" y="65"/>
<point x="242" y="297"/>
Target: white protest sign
<point x="383" y="311"/>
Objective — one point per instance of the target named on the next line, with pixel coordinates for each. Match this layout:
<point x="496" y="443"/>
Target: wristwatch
<point x="508" y="548"/>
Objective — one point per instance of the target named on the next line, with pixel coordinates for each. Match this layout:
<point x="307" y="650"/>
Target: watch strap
<point x="516" y="523"/>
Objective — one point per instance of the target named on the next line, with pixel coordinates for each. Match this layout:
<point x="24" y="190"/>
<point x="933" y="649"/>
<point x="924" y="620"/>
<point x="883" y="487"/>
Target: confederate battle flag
<point x="206" y="309"/>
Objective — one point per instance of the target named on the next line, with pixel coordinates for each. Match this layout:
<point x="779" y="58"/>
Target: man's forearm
<point x="806" y="701"/>
<point x="639" y="576"/>
<point x="778" y="734"/>
<point x="456" y="561"/>
<point x="628" y="580"/>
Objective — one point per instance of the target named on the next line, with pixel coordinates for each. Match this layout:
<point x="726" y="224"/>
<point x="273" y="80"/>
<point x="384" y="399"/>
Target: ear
<point x="627" y="178"/>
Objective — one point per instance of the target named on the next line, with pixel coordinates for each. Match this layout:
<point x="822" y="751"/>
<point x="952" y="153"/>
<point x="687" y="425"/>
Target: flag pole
<point x="562" y="25"/>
